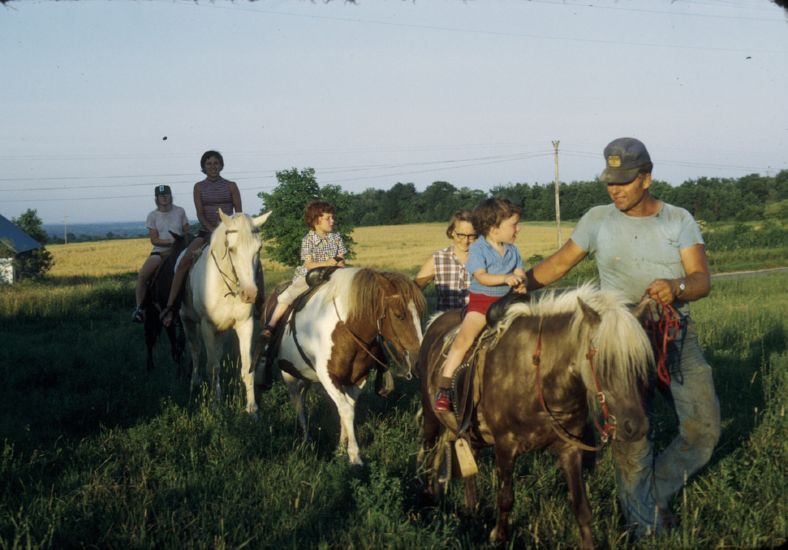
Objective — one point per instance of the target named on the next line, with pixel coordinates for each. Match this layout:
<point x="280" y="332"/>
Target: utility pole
<point x="65" y="229"/>
<point x="557" y="190"/>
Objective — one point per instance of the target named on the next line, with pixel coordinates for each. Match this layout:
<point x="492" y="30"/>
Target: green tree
<point x="33" y="263"/>
<point x="285" y="229"/>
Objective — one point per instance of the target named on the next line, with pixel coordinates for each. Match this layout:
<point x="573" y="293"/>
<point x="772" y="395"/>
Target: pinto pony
<point x="543" y="368"/>
<point x="351" y="324"/>
<point x="219" y="295"/>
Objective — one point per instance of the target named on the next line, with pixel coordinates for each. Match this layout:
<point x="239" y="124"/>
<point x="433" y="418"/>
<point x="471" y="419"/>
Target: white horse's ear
<point x="591" y="315"/>
<point x="260" y="220"/>
<point x="224" y="217"/>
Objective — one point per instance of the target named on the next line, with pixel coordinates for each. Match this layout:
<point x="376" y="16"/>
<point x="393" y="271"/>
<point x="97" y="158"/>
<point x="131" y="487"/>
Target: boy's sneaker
<point x="138" y="315"/>
<point x="442" y="401"/>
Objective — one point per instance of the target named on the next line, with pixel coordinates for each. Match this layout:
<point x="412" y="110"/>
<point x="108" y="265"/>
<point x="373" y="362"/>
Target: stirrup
<point x="166" y="312"/>
<point x="138" y="315"/>
<point x="267" y="333"/>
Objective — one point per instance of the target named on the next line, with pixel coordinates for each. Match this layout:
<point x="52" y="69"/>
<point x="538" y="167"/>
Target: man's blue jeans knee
<point x="645" y="484"/>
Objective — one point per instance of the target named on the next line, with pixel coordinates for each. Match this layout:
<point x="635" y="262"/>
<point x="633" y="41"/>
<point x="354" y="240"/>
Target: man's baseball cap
<point x="163" y="190"/>
<point x="624" y="159"/>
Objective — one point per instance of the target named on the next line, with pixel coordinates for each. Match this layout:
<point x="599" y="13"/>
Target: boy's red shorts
<point x="481" y="302"/>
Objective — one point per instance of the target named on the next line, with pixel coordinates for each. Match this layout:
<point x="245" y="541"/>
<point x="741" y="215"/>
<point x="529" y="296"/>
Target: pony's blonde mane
<point x="623" y="350"/>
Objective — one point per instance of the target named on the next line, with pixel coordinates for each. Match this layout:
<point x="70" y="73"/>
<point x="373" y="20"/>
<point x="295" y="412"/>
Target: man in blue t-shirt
<point x="645" y="246"/>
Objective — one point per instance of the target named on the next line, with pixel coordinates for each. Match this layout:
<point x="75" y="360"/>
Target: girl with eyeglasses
<point x="446" y="267"/>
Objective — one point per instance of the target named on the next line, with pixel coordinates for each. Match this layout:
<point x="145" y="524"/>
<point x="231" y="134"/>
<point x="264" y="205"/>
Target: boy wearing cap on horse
<point x="320" y="247"/>
<point x="496" y="267"/>
<point x="644" y="245"/>
<point x="160" y="222"/>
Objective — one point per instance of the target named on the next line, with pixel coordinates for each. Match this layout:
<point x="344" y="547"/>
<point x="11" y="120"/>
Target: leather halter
<point x="386" y="344"/>
<point x="236" y="282"/>
<point x="608" y="424"/>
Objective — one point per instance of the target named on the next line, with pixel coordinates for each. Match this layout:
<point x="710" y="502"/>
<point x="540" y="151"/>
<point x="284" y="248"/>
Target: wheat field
<point x="398" y="247"/>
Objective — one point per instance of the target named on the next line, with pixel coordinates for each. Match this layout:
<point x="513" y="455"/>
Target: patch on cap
<point x="614" y="161"/>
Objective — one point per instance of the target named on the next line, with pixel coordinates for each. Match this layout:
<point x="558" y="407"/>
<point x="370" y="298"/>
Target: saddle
<point x="315" y="278"/>
<point x="466" y="382"/>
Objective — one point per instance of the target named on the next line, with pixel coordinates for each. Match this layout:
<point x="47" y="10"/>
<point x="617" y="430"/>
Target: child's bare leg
<point x="147" y="269"/>
<point x="471" y="326"/>
<point x="279" y="310"/>
<point x="177" y="280"/>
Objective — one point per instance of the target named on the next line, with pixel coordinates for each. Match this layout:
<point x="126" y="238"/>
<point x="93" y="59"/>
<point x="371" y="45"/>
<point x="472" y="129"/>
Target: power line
<point x="247" y="174"/>
<point x="499" y="33"/>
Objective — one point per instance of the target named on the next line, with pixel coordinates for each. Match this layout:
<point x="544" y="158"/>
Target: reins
<point x="667" y="328"/>
<point x="226" y="277"/>
<point x="384" y="342"/>
<point x="608" y="425"/>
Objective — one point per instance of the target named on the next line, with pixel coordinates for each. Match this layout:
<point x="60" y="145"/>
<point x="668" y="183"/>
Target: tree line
<point x="752" y="197"/>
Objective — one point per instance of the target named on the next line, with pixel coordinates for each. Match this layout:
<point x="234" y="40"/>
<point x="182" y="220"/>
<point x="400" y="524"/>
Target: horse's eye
<point x="399" y="316"/>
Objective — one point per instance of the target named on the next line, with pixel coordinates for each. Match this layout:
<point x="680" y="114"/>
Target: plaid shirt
<point x="319" y="249"/>
<point x="451" y="280"/>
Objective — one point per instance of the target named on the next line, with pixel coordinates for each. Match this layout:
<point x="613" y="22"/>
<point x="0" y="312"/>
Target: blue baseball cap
<point x="625" y="158"/>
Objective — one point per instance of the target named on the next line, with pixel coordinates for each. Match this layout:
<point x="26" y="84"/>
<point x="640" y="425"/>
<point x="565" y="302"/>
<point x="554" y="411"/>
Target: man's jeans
<point x="645" y="486"/>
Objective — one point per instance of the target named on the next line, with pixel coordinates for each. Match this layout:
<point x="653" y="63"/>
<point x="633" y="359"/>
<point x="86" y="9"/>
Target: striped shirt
<point x="319" y="249"/>
<point x="451" y="280"/>
<point x="215" y="195"/>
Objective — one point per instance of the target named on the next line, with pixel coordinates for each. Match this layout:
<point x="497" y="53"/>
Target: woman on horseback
<point x="166" y="219"/>
<point x="212" y="194"/>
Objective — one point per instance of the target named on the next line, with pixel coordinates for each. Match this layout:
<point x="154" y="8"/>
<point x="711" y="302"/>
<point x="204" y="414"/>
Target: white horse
<point x="219" y="296"/>
<point x="353" y="323"/>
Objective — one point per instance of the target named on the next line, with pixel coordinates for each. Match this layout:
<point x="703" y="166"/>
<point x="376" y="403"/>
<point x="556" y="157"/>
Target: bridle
<point x="606" y="427"/>
<point x="234" y="288"/>
<point x="389" y="347"/>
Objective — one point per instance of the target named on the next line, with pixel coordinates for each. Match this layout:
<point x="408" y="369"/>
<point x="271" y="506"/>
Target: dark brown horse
<point x="359" y="319"/>
<point x="156" y="294"/>
<point x="543" y="368"/>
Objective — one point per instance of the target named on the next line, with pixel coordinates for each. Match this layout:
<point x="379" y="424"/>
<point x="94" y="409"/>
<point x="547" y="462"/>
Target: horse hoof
<point x="495" y="538"/>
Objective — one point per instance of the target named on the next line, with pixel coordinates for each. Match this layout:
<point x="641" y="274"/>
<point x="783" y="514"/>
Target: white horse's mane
<point x="623" y="350"/>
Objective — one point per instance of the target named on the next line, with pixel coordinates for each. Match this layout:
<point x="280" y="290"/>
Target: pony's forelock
<point x="245" y="233"/>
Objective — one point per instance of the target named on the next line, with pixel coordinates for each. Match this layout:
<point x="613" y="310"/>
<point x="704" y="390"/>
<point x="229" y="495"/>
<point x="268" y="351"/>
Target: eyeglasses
<point x="466" y="236"/>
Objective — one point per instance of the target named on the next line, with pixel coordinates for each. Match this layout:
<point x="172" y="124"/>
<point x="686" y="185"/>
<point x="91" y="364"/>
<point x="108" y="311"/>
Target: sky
<point x="100" y="101"/>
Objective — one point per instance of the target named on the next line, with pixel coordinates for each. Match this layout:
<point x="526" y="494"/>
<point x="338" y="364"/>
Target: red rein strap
<point x="608" y="425"/>
<point x="662" y="331"/>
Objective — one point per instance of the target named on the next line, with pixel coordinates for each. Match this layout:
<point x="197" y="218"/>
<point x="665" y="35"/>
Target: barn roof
<point x="18" y="239"/>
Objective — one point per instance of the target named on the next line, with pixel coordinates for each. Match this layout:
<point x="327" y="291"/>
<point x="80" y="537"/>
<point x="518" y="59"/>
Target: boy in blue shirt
<point x="496" y="267"/>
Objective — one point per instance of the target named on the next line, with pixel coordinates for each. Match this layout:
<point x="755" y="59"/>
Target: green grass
<point x="97" y="452"/>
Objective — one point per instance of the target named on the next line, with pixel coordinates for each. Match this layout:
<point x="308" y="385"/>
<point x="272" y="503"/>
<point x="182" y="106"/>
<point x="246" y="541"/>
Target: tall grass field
<point x="96" y="452"/>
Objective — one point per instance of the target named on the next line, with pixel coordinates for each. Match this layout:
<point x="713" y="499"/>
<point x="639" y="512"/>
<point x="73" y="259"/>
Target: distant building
<point x="17" y="242"/>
